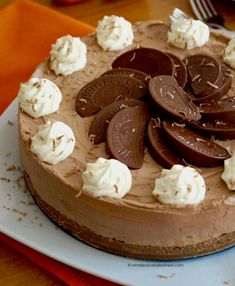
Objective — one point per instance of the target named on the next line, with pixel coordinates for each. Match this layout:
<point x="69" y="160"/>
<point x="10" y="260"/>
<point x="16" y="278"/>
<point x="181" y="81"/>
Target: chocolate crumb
<point x="10" y="122"/>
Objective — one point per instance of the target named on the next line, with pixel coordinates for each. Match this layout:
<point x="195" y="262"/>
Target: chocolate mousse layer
<point x="136" y="225"/>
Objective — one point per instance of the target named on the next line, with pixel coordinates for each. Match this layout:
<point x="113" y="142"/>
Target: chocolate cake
<point x="138" y="225"/>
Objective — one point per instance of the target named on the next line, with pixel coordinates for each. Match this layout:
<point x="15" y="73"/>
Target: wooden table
<point x="14" y="268"/>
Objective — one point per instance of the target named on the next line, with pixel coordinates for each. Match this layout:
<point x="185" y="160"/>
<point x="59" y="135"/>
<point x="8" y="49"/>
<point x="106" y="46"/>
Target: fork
<point x="177" y="14"/>
<point x="206" y="12"/>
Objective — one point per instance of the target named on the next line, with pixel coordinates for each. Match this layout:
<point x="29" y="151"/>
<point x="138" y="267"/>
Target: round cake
<point x="136" y="225"/>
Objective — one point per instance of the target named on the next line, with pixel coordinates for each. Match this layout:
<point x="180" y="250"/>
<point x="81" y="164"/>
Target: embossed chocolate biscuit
<point x="194" y="147"/>
<point x="218" y="92"/>
<point x="217" y="129"/>
<point x="204" y="74"/>
<point x="125" y="136"/>
<point x="223" y="109"/>
<point x="158" y="148"/>
<point x="171" y="100"/>
<point x="99" y="125"/>
<point x="105" y="90"/>
<point x="181" y="73"/>
<point x="133" y="73"/>
<point x="151" y="61"/>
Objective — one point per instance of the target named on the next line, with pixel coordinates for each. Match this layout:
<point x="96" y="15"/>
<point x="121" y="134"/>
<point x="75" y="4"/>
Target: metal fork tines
<point x="206" y="12"/>
<point x="177" y="14"/>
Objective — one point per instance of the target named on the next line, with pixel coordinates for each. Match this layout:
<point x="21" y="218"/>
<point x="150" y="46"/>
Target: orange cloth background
<point x="26" y="34"/>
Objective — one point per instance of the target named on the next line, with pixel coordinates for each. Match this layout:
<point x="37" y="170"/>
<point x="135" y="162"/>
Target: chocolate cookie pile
<point x="176" y="107"/>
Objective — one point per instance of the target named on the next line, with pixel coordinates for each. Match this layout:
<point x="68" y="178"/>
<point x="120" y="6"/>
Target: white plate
<point x="22" y="220"/>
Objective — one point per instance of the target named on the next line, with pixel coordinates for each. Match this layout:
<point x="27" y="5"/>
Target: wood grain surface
<point x="14" y="268"/>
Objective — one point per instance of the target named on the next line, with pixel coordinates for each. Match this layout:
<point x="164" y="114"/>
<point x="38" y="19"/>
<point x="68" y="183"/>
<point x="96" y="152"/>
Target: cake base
<point x="113" y="246"/>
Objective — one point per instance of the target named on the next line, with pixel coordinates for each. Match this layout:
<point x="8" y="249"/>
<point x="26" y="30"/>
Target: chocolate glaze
<point x="194" y="147"/>
<point x="99" y="125"/>
<point x="171" y="100"/>
<point x="125" y="136"/>
<point x="204" y="74"/>
<point x="150" y="61"/>
<point x="105" y="90"/>
<point x="158" y="147"/>
<point x="224" y="109"/>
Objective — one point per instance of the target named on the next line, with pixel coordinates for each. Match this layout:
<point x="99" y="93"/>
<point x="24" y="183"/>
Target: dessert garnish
<point x="158" y="147"/>
<point x="107" y="177"/>
<point x="216" y="129"/>
<point x="229" y="54"/>
<point x="188" y="34"/>
<point x="105" y="90"/>
<point x="180" y="186"/>
<point x="125" y="136"/>
<point x="205" y="74"/>
<point x="53" y="142"/>
<point x="193" y="147"/>
<point x="67" y="55"/>
<point x="181" y="73"/>
<point x="39" y="97"/>
<point x="219" y="92"/>
<point x="224" y="109"/>
<point x="114" y="33"/>
<point x="171" y="100"/>
<point x="228" y="175"/>
<point x="129" y="72"/>
<point x="99" y="124"/>
<point x="151" y="61"/>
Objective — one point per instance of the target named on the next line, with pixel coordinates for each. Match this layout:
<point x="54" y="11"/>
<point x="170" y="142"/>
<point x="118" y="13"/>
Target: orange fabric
<point x="26" y="34"/>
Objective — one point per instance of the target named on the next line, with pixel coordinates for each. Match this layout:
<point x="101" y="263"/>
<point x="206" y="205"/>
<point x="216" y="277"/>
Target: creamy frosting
<point x="228" y="174"/>
<point x="68" y="55"/>
<point x="114" y="33"/>
<point x="188" y="34"/>
<point x="107" y="177"/>
<point x="39" y="97"/>
<point x="180" y="186"/>
<point x="138" y="217"/>
<point x="229" y="54"/>
<point x="53" y="142"/>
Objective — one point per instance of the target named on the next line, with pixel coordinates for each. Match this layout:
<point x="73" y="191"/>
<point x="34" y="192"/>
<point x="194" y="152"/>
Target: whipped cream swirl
<point x="228" y="175"/>
<point x="53" y="142"/>
<point x="180" y="186"/>
<point x="114" y="33"/>
<point x="188" y="34"/>
<point x="39" y="97"/>
<point x="109" y="178"/>
<point x="229" y="54"/>
<point x="68" y="55"/>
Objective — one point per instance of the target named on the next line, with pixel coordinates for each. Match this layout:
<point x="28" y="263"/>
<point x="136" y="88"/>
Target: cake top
<point x="151" y="35"/>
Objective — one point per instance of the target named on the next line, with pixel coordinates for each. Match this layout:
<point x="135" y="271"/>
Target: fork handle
<point x="230" y="34"/>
